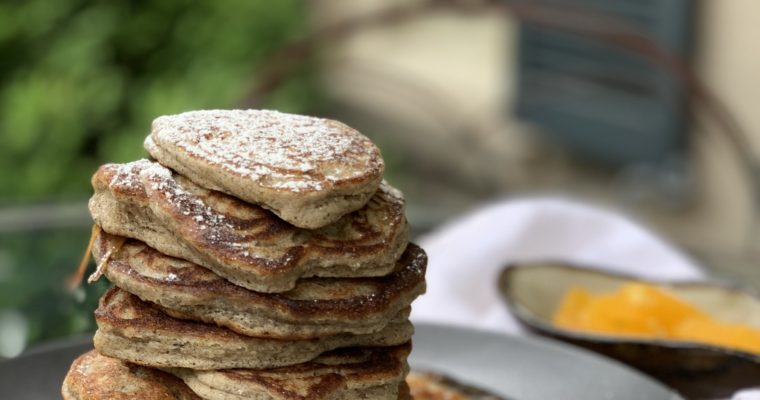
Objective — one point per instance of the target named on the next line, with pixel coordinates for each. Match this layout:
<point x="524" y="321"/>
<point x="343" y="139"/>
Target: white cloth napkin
<point x="467" y="255"/>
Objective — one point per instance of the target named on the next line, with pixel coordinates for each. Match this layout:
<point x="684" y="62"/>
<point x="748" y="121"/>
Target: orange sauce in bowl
<point x="648" y="311"/>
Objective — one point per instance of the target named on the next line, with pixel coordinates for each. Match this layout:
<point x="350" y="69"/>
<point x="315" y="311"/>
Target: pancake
<point x="133" y="330"/>
<point x="316" y="307"/>
<point x="346" y="374"/>
<point x="242" y="242"/>
<point x="309" y="171"/>
<point x="432" y="386"/>
<point x="93" y="376"/>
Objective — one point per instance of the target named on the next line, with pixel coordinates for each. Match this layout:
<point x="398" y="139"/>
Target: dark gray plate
<point x="38" y="374"/>
<point x="516" y="367"/>
<point x="529" y="368"/>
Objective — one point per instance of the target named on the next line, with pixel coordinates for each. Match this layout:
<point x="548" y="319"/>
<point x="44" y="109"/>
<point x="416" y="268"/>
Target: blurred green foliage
<point x="33" y="271"/>
<point x="80" y="82"/>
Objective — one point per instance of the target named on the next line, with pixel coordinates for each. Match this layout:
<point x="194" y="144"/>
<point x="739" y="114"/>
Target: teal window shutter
<point x="603" y="102"/>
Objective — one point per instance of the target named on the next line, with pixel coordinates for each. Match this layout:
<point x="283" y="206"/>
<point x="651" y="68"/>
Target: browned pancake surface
<point x="367" y="373"/>
<point x="93" y="376"/>
<point x="433" y="386"/>
<point x="136" y="331"/>
<point x="317" y="306"/>
<point x="242" y="242"/>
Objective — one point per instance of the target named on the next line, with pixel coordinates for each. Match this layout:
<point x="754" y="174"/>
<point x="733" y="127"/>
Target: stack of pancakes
<point x="258" y="255"/>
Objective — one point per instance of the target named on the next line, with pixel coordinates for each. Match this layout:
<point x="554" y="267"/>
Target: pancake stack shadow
<point x="256" y="255"/>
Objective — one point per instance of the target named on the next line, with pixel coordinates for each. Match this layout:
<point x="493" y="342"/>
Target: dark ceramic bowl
<point x="534" y="291"/>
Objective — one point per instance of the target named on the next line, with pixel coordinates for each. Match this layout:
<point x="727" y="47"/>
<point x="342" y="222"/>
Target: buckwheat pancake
<point x="345" y="374"/>
<point x="242" y="242"/>
<point x="93" y="376"/>
<point x="433" y="386"/>
<point x="316" y="307"/>
<point x="309" y="171"/>
<point x="133" y="330"/>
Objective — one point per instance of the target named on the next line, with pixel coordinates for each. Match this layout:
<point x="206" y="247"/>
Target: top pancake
<point x="242" y="242"/>
<point x="93" y="376"/>
<point x="309" y="171"/>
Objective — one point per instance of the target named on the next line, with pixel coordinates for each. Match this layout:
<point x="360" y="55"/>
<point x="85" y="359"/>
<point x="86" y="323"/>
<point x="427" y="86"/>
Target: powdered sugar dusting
<point x="128" y="175"/>
<point x="228" y="231"/>
<point x="84" y="367"/>
<point x="391" y="191"/>
<point x="273" y="149"/>
<point x="160" y="182"/>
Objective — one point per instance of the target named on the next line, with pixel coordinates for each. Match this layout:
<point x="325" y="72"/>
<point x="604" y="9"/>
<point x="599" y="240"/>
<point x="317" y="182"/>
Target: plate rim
<point x="546" y="344"/>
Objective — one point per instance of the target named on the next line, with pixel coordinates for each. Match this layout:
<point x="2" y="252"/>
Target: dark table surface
<point x="40" y="371"/>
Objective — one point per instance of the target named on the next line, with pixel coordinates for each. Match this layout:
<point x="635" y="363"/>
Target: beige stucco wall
<point x="729" y="57"/>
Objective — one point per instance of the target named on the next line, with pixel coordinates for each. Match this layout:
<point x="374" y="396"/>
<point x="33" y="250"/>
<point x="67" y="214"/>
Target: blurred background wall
<point x="469" y="63"/>
<point x="439" y="89"/>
